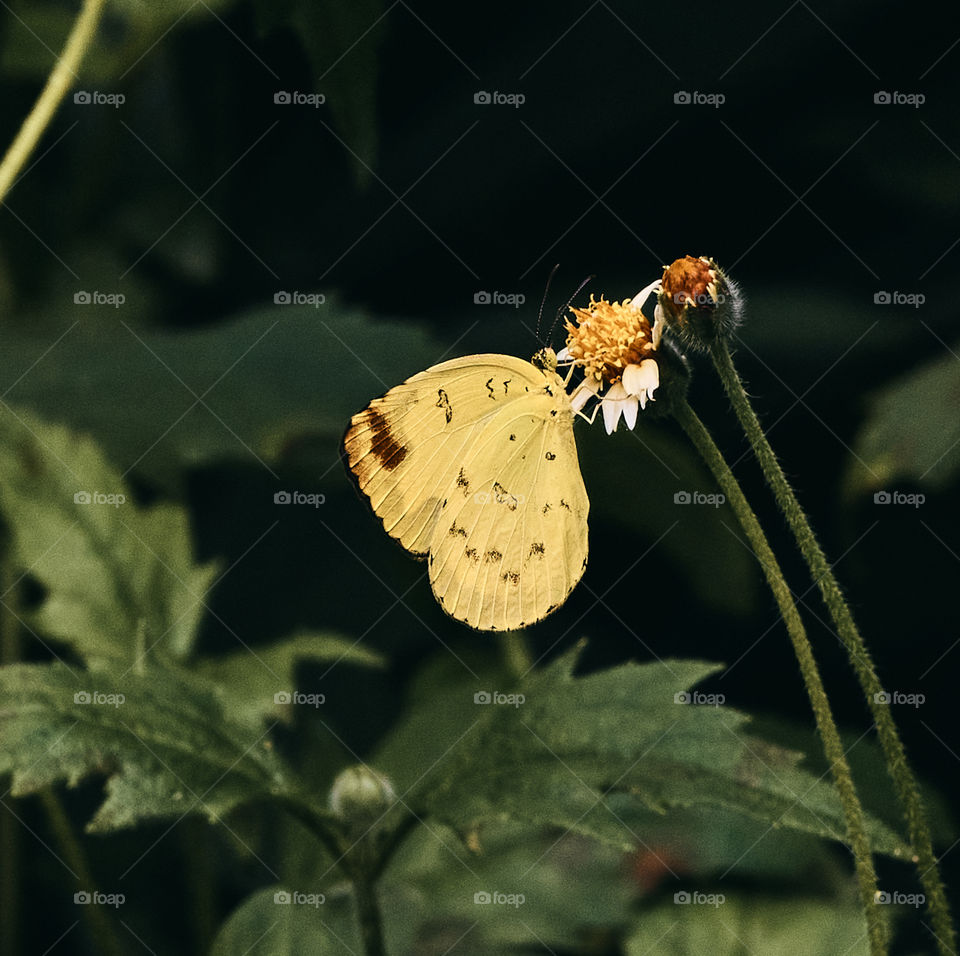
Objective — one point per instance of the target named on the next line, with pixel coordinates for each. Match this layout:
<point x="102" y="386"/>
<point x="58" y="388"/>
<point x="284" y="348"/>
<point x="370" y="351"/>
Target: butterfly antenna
<point x="566" y="305"/>
<point x="543" y="301"/>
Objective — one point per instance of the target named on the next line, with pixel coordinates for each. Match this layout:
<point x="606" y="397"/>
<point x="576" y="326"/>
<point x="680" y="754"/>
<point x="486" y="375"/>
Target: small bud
<point x="698" y="303"/>
<point x="360" y="796"/>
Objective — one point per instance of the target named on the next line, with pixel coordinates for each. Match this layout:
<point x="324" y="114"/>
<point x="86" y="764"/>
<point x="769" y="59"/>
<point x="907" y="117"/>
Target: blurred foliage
<point x="897" y="443"/>
<point x="201" y="200"/>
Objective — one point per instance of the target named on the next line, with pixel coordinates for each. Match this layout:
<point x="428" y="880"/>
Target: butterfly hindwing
<point x="473" y="462"/>
<point x="510" y="550"/>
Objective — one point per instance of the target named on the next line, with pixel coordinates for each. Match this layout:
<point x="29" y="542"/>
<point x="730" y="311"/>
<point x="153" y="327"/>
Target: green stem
<point x="516" y="653"/>
<point x="368" y="916"/>
<point x="100" y="925"/>
<point x="58" y="83"/>
<point x="904" y="780"/>
<point x="354" y="861"/>
<point x="878" y="930"/>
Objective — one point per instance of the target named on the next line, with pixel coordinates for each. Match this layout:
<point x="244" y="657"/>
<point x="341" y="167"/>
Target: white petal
<point x="612" y="406"/>
<point x="582" y="394"/>
<point x="641" y="297"/>
<point x="659" y="321"/>
<point x="630" y="411"/>
<point x="652" y="372"/>
<point x="645" y="377"/>
<point x="563" y="355"/>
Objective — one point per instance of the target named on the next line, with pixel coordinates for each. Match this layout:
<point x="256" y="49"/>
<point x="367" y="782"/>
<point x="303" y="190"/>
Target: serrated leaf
<point x="748" y="924"/>
<point x="111" y="568"/>
<point x="551" y="758"/>
<point x="164" y="743"/>
<point x="250" y="679"/>
<point x="912" y="432"/>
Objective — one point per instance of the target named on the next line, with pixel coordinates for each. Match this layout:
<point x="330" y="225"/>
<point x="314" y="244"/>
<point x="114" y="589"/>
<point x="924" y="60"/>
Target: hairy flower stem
<point x="904" y="780"/>
<point x="58" y="83"/>
<point x="877" y="927"/>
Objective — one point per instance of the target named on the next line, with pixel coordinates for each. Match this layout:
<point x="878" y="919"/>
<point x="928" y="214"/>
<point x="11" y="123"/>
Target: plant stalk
<point x="877" y="926"/>
<point x="905" y="783"/>
<point x="58" y="83"/>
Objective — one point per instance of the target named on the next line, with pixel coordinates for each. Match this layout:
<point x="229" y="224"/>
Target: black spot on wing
<point x="550" y="456"/>
<point x="563" y="504"/>
<point x="454" y="531"/>
<point x="443" y="402"/>
<point x="512" y="576"/>
<point x="537" y="549"/>
<point x="504" y="497"/>
<point x="471" y="553"/>
<point x="546" y="508"/>
<point x="463" y="482"/>
<point x="492" y="556"/>
<point x="490" y="388"/>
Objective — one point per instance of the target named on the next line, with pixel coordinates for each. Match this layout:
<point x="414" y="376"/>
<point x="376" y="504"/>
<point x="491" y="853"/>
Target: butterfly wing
<point x="511" y="546"/>
<point x="436" y="453"/>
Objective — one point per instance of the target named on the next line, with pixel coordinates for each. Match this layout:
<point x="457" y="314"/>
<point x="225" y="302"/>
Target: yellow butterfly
<point x="472" y="465"/>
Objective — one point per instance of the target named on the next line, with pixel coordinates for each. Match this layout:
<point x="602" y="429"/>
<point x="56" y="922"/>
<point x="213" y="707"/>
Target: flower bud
<point x="360" y="796"/>
<point x="698" y="303"/>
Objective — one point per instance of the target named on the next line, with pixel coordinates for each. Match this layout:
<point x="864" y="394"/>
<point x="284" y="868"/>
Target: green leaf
<point x="165" y="743"/>
<point x="748" y="924"/>
<point x="912" y="432"/>
<point x="111" y="569"/>
<point x="250" y="679"/>
<point x="553" y="756"/>
<point x="268" y="377"/>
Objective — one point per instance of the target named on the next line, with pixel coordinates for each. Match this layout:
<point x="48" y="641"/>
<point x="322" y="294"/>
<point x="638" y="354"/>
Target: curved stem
<point x="58" y="82"/>
<point x="100" y="924"/>
<point x="904" y="781"/>
<point x="877" y="927"/>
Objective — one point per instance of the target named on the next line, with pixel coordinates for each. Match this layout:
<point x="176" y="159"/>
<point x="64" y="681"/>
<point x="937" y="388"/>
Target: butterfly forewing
<point x="473" y="462"/>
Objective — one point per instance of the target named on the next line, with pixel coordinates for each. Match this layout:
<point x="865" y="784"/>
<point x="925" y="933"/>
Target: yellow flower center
<point x="607" y="338"/>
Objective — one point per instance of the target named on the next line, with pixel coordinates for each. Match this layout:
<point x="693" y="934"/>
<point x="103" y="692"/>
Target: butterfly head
<point x="545" y="360"/>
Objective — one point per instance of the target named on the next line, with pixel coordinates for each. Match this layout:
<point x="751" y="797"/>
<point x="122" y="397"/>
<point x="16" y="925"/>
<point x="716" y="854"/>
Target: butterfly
<point x="472" y="465"/>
